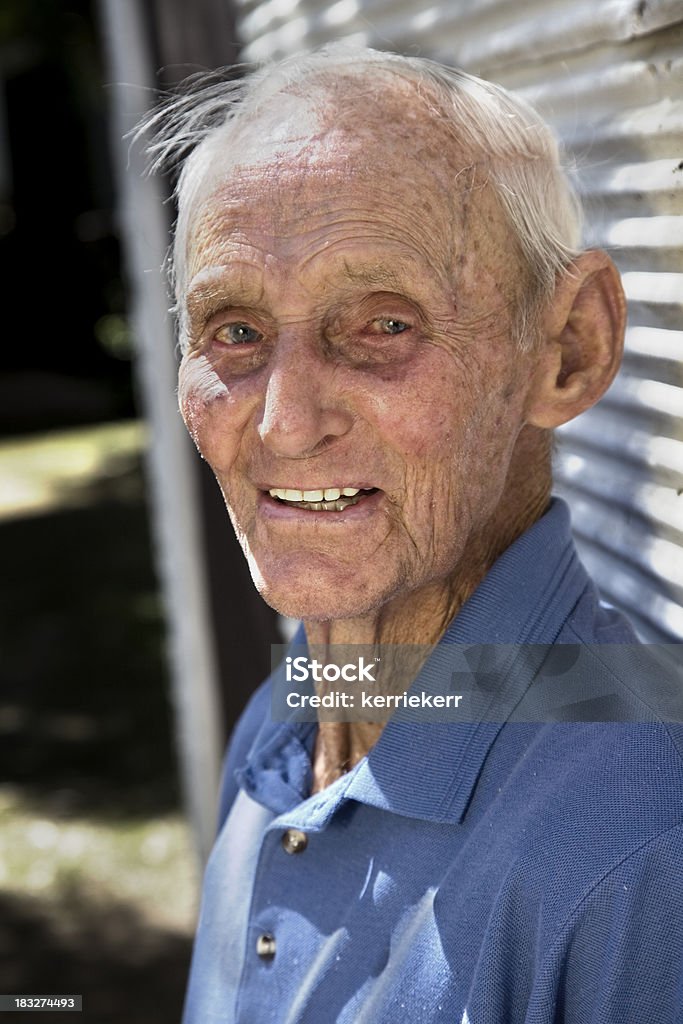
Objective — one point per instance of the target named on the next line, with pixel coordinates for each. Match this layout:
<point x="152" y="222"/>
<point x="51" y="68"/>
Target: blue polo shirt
<point x="469" y="872"/>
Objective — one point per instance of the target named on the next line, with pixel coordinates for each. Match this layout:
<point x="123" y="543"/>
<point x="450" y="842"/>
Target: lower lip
<point x="271" y="508"/>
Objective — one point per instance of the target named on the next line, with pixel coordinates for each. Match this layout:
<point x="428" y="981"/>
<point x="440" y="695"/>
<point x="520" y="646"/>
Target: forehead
<point x="308" y="181"/>
<point x="292" y="209"/>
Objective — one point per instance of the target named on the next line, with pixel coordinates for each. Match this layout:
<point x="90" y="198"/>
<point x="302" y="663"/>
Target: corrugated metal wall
<point x="609" y="76"/>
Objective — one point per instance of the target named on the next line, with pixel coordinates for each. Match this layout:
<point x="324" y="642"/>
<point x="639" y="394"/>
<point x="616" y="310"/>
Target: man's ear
<point x="581" y="342"/>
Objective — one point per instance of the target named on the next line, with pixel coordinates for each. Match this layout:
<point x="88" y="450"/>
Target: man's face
<point x="350" y="375"/>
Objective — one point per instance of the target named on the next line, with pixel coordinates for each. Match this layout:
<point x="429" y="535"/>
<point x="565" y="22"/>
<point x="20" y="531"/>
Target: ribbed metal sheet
<point x="609" y="77"/>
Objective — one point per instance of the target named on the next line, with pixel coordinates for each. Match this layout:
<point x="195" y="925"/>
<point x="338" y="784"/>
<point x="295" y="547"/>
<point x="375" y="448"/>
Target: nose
<point x="302" y="411"/>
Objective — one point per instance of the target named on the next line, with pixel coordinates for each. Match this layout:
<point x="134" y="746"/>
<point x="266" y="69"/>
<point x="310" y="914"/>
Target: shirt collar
<point x="425" y="769"/>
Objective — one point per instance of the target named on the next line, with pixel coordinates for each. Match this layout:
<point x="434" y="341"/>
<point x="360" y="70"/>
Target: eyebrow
<point x="207" y="297"/>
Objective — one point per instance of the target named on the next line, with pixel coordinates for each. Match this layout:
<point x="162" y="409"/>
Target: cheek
<point x="215" y="414"/>
<point x="420" y="415"/>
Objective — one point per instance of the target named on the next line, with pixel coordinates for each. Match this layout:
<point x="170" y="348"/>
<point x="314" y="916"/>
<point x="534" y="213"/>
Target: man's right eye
<point x="237" y="334"/>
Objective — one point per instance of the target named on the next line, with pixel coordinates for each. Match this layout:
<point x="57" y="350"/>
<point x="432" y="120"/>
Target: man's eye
<point x="389" y="325"/>
<point x="237" y="334"/>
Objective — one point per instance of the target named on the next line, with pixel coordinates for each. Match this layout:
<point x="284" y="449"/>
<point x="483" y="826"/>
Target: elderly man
<point x="384" y="314"/>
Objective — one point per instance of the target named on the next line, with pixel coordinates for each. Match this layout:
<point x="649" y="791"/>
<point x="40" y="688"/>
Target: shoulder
<point x="621" y="947"/>
<point x="585" y="849"/>
<point x="595" y="787"/>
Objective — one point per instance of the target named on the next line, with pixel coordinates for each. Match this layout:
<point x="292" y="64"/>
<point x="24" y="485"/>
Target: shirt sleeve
<point x="621" y="956"/>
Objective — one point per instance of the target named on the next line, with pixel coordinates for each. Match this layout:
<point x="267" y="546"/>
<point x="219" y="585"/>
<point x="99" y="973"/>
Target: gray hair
<point x="520" y="151"/>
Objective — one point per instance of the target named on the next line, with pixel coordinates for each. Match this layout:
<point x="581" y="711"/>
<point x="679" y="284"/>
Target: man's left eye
<point x="389" y="325"/>
<point x="237" y="334"/>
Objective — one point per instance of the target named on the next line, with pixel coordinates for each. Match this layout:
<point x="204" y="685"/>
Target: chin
<point x="316" y="597"/>
<point x="313" y="608"/>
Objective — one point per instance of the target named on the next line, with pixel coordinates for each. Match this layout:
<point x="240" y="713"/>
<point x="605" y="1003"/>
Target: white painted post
<point x="174" y="500"/>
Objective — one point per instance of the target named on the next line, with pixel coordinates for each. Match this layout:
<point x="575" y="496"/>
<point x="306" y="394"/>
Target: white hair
<point x="499" y="129"/>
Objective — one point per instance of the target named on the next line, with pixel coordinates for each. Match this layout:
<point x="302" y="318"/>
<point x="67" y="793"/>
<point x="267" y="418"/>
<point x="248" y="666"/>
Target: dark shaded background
<point x="85" y="721"/>
<point x="66" y="352"/>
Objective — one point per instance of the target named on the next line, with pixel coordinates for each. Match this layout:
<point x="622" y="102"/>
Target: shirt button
<point x="265" y="946"/>
<point x="294" y="841"/>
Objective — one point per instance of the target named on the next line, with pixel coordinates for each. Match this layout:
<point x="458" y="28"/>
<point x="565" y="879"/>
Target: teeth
<point x="322" y="494"/>
<point x="324" y="499"/>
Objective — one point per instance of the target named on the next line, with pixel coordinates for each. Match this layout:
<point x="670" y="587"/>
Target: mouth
<point x="321" y="499"/>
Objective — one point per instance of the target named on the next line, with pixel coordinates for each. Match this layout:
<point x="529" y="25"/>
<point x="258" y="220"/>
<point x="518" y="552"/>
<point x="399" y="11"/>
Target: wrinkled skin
<point x="349" y="300"/>
<point x="321" y="261"/>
